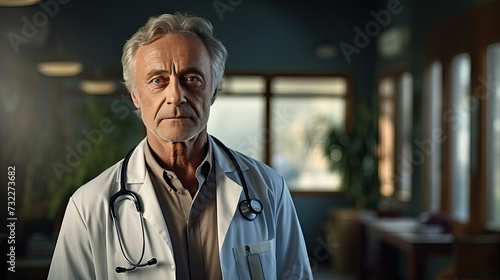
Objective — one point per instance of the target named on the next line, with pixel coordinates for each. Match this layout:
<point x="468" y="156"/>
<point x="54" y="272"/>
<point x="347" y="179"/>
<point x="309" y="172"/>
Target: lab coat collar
<point x="139" y="182"/>
<point x="136" y="170"/>
<point x="136" y="173"/>
<point x="229" y="189"/>
<point x="223" y="159"/>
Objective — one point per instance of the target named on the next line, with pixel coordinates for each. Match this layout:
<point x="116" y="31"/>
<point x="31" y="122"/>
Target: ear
<point x="214" y="96"/>
<point x="135" y="99"/>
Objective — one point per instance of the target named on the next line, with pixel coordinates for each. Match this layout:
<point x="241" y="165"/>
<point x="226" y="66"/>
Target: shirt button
<point x="172" y="268"/>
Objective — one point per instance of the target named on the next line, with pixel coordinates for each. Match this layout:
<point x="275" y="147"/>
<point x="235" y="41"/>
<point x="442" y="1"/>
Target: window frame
<point x="432" y="133"/>
<point x="269" y="95"/>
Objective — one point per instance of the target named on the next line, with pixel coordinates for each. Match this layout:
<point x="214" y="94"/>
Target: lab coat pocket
<point x="256" y="260"/>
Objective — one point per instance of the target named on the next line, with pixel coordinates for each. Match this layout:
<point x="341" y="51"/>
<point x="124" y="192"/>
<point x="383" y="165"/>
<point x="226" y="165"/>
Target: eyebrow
<point x="156" y="72"/>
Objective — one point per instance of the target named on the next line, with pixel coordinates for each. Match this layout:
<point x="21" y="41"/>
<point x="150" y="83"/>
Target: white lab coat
<point x="87" y="246"/>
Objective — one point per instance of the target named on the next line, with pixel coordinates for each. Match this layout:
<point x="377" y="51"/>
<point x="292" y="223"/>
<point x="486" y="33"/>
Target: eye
<point x="158" y="81"/>
<point x="194" y="80"/>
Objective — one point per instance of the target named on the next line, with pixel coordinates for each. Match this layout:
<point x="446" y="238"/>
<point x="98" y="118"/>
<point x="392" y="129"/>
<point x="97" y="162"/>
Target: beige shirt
<point x="191" y="221"/>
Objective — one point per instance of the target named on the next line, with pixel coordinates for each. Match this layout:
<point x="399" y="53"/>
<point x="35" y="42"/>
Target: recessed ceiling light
<point x="18" y="3"/>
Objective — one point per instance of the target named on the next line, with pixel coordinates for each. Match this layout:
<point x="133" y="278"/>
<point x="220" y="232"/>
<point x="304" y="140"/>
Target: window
<point x="459" y="118"/>
<point x="237" y="116"/>
<point x="283" y="121"/>
<point x="404" y="134"/>
<point x="387" y="136"/>
<point x="238" y="120"/>
<point x="430" y="146"/>
<point x="493" y="138"/>
<point x="304" y="109"/>
<point x="395" y="135"/>
<point x="468" y="144"/>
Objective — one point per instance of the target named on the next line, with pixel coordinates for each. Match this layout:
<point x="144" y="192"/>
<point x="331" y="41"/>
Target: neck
<point x="181" y="157"/>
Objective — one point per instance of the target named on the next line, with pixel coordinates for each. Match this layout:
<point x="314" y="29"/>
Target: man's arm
<point x="291" y="252"/>
<point x="72" y="257"/>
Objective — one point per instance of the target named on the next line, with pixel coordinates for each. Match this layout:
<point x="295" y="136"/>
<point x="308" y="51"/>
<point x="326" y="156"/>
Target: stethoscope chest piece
<point x="249" y="209"/>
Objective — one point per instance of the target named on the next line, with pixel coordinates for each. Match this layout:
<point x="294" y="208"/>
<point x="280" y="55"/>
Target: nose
<point x="175" y="94"/>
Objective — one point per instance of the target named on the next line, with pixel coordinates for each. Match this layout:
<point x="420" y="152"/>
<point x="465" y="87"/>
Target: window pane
<point x="493" y="137"/>
<point x="298" y="129"/>
<point x="309" y="85"/>
<point x="386" y="138"/>
<point x="405" y="116"/>
<point x="243" y="84"/>
<point x="459" y="119"/>
<point x="237" y="121"/>
<point x="430" y="146"/>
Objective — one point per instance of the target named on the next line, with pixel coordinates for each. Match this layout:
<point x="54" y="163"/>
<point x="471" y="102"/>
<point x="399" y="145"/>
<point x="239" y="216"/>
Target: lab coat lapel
<point x="229" y="190"/>
<point x="228" y="194"/>
<point x="138" y="181"/>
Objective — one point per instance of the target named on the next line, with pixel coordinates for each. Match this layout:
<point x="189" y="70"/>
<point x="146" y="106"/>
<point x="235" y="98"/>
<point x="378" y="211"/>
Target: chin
<point x="176" y="133"/>
<point x="177" y="137"/>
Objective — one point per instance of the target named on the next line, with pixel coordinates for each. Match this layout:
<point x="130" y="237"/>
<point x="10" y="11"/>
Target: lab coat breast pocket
<point x="256" y="261"/>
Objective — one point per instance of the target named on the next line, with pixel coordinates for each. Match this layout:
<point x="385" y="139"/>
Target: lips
<point x="178" y="118"/>
<point x="175" y="118"/>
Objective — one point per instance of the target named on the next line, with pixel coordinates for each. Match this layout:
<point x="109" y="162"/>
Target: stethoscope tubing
<point x="249" y="208"/>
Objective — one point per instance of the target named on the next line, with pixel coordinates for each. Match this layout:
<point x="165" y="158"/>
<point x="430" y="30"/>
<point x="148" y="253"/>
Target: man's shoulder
<point x="255" y="164"/>
<point x="99" y="187"/>
<point x="261" y="170"/>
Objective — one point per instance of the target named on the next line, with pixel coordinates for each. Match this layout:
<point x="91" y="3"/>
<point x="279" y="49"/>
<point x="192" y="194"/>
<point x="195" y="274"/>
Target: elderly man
<point x="181" y="205"/>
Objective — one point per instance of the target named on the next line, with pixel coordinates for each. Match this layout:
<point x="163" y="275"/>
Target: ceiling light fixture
<point x="98" y="87"/>
<point x="325" y="51"/>
<point x="59" y="68"/>
<point x="18" y="3"/>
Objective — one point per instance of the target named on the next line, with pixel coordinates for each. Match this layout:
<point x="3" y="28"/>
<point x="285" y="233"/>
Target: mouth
<point x="178" y="118"/>
<point x="175" y="118"/>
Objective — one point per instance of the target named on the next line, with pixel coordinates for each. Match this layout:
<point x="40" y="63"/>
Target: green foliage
<point x="119" y="135"/>
<point x="353" y="155"/>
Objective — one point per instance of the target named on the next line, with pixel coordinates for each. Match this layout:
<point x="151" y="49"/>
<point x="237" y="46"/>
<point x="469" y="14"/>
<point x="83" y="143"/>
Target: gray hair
<point x="176" y="24"/>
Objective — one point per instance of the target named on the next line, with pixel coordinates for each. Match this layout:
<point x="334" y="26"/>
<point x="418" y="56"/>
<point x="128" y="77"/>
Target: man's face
<point x="173" y="83"/>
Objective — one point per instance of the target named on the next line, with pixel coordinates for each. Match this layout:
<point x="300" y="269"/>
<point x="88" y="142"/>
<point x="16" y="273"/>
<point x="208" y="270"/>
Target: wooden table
<point x="402" y="234"/>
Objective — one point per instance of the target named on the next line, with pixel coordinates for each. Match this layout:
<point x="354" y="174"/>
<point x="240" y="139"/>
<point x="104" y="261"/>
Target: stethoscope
<point x="249" y="208"/>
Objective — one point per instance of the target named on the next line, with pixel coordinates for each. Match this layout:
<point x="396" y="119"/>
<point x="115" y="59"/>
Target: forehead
<point x="178" y="50"/>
